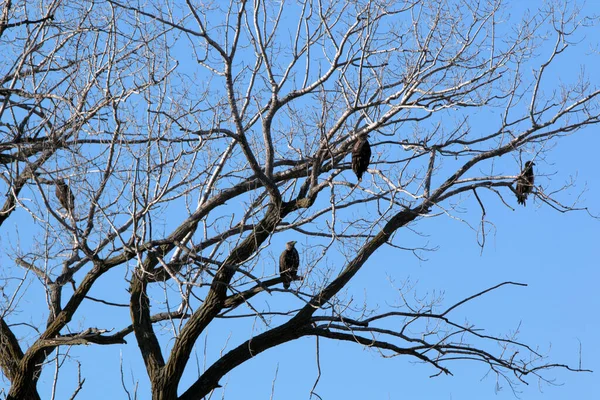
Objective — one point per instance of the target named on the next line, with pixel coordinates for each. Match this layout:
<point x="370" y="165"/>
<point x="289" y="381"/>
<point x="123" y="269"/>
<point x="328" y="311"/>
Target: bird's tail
<point x="286" y="285"/>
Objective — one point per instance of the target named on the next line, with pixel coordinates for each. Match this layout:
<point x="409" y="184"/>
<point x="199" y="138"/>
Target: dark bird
<point x="525" y="182"/>
<point x="65" y="196"/>
<point x="289" y="261"/>
<point x="361" y="156"/>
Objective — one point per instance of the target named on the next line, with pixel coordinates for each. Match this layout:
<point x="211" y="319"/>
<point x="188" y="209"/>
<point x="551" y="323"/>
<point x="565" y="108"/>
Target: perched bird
<point x="361" y="156"/>
<point x="289" y="261"/>
<point x="65" y="196"/>
<point x="525" y="182"/>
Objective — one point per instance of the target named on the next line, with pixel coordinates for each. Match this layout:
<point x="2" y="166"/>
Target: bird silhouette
<point x="525" y="182"/>
<point x="289" y="260"/>
<point x="361" y="156"/>
<point x="65" y="196"/>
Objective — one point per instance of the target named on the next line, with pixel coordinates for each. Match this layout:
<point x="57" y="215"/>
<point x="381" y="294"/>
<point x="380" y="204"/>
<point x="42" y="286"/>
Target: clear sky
<point x="555" y="254"/>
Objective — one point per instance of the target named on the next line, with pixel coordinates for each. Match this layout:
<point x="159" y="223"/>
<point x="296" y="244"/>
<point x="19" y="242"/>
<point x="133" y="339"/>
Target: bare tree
<point x="197" y="138"/>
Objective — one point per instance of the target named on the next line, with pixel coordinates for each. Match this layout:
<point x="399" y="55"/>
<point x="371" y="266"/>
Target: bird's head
<point x="529" y="164"/>
<point x="290" y="245"/>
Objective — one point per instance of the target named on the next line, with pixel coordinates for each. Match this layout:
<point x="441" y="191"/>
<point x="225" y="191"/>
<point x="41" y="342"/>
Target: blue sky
<point x="555" y="254"/>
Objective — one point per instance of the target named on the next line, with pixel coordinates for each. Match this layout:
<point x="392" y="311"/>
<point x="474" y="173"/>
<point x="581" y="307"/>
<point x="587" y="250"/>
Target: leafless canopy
<point x="197" y="138"/>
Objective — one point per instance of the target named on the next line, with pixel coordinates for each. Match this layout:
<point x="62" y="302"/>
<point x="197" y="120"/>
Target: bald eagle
<point x="65" y="196"/>
<point x="289" y="261"/>
<point x="361" y="156"/>
<point x="525" y="182"/>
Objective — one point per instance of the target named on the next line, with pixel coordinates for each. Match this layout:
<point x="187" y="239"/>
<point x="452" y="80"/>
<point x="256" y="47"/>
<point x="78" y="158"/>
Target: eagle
<point x="525" y="182"/>
<point x="361" y="156"/>
<point x="65" y="196"/>
<point x="289" y="261"/>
